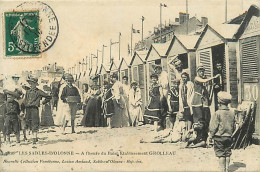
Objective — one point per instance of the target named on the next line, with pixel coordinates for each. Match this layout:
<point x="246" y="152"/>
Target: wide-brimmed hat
<point x="69" y="77"/>
<point x="16" y="93"/>
<point x="32" y="79"/>
<point x="200" y="67"/>
<point x="114" y="75"/>
<point x="134" y="83"/>
<point x="224" y="97"/>
<point x="154" y="75"/>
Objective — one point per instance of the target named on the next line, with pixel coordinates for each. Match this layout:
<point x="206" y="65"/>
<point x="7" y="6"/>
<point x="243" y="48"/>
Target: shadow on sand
<point x="236" y="165"/>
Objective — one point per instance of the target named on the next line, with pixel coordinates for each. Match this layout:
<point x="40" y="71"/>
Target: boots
<point x="72" y="126"/>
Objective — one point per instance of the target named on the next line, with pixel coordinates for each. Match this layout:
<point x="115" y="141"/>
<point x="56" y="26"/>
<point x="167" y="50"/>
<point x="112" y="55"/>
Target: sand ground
<point x="117" y="149"/>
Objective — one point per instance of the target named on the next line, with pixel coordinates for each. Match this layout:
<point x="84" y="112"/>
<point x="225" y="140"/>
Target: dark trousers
<point x="32" y="118"/>
<point x="201" y="113"/>
<point x="11" y="124"/>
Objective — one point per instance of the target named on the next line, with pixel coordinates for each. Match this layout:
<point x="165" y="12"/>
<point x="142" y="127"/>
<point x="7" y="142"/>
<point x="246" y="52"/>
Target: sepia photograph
<point x="129" y="85"/>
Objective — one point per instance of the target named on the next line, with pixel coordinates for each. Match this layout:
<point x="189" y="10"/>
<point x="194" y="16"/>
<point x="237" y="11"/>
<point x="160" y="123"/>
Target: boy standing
<point x="2" y="107"/>
<point x="31" y="103"/>
<point x="222" y="126"/>
<point x="70" y="96"/>
<point x="11" y="112"/>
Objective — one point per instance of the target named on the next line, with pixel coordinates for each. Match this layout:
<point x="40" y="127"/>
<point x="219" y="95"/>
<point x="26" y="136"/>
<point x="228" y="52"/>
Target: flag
<point x="135" y="31"/>
<point x="119" y="33"/>
<point x="163" y="5"/>
<point x="142" y="18"/>
<point x="104" y="46"/>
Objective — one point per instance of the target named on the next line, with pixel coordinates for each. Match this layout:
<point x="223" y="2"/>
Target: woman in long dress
<point x="120" y="118"/>
<point x="92" y="116"/>
<point x="46" y="114"/>
<point x="135" y="102"/>
<point x="153" y="111"/>
<point x="59" y="119"/>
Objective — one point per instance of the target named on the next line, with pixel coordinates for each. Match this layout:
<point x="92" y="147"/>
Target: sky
<point x="86" y="25"/>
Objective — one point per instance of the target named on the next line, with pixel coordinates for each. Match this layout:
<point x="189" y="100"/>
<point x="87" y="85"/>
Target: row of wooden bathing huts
<point x="236" y="46"/>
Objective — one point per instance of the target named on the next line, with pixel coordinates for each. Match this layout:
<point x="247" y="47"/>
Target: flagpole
<point x="97" y="59"/>
<point x="161" y="22"/>
<point x="91" y="60"/>
<point x="119" y="46"/>
<point x="86" y="63"/>
<point x="102" y="54"/>
<point x="142" y="28"/>
<point x="226" y="11"/>
<point x="110" y="49"/>
<point x="187" y="17"/>
<point x="131" y="39"/>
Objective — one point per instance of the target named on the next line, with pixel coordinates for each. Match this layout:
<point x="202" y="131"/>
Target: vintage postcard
<point x="128" y="85"/>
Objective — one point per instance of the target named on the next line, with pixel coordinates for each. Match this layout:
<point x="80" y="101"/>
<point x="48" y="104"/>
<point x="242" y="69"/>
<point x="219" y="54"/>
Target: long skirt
<point x="121" y="116"/>
<point x="92" y="116"/>
<point x="136" y="114"/>
<point x="46" y="116"/>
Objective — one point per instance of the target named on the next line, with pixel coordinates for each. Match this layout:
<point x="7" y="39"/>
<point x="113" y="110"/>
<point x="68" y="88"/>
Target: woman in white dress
<point x="135" y="102"/>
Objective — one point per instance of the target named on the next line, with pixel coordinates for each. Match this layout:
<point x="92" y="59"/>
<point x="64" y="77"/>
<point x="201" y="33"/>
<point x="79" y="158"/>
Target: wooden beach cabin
<point x="156" y="56"/>
<point x="124" y="68"/>
<point x="183" y="46"/>
<point x="216" y="44"/>
<point x="248" y="62"/>
<point x="104" y="73"/>
<point x="138" y="69"/>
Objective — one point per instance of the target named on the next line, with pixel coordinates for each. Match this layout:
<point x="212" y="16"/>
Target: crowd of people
<point x="182" y="109"/>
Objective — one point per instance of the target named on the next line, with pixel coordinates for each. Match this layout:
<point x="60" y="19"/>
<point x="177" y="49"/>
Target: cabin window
<point x="249" y="60"/>
<point x="141" y="75"/>
<point x="205" y="60"/>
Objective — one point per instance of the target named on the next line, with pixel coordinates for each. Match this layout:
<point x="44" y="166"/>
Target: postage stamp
<point x="30" y="29"/>
<point x="22" y="33"/>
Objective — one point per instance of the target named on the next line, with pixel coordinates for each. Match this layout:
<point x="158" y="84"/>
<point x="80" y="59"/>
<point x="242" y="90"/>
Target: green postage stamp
<point x="22" y="34"/>
<point x="29" y="30"/>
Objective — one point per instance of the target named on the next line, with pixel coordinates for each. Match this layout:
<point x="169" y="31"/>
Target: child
<point x="107" y="103"/>
<point x="173" y="103"/>
<point x="2" y="108"/>
<point x="198" y="135"/>
<point x="186" y="96"/>
<point x="153" y="111"/>
<point x="135" y="102"/>
<point x="71" y="97"/>
<point x="12" y="110"/>
<point x="222" y="125"/>
<point x="174" y="136"/>
<point x="31" y="103"/>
